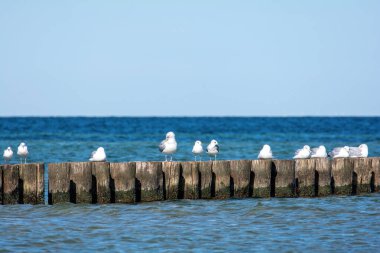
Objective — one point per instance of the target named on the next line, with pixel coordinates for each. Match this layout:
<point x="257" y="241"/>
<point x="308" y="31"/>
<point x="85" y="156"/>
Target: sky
<point x="189" y="58"/>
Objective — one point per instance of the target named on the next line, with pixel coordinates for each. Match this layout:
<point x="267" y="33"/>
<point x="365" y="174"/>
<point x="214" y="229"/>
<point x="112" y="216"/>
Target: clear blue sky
<point x="189" y="58"/>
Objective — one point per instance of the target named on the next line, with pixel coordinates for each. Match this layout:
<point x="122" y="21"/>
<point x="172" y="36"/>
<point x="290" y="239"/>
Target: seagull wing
<point x="216" y="147"/>
<point x="354" y="151"/>
<point x="162" y="145"/>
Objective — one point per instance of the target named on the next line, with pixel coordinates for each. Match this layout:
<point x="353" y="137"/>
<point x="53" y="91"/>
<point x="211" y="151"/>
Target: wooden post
<point x="305" y="177"/>
<point x="206" y="181"/>
<point x="362" y="168"/>
<point x="261" y="176"/>
<point x="81" y="182"/>
<point x="59" y="183"/>
<point x="11" y="193"/>
<point x="1" y="184"/>
<point x="222" y="172"/>
<point x="172" y="174"/>
<point x="342" y="173"/>
<point x="32" y="183"/>
<point x="323" y="176"/>
<point x="285" y="177"/>
<point x="149" y="181"/>
<point x="123" y="182"/>
<point x="240" y="178"/>
<point x="375" y="168"/>
<point x="101" y="192"/>
<point x="190" y="174"/>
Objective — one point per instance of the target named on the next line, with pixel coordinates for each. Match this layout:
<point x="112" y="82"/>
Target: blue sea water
<point x="333" y="224"/>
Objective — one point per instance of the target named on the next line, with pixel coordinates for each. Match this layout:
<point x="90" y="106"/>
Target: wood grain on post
<point x="305" y="177"/>
<point x="375" y="168"/>
<point x="101" y="192"/>
<point x="32" y="183"/>
<point x="172" y="184"/>
<point x="323" y="176"/>
<point x="285" y="177"/>
<point x="222" y="172"/>
<point x="190" y="175"/>
<point x="262" y="171"/>
<point x="240" y="178"/>
<point x="11" y="177"/>
<point x="342" y="170"/>
<point x="81" y="182"/>
<point x="362" y="168"/>
<point x="149" y="181"/>
<point x="123" y="182"/>
<point x="207" y="186"/>
<point x="59" y="183"/>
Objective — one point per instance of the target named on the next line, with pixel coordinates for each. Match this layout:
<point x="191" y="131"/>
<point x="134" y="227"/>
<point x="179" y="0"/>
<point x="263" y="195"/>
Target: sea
<point x="330" y="224"/>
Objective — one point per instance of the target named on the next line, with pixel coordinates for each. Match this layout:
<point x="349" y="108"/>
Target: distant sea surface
<point x="333" y="224"/>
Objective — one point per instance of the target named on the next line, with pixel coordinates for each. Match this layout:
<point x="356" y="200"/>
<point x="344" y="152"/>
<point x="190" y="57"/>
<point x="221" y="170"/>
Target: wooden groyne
<point x="133" y="182"/>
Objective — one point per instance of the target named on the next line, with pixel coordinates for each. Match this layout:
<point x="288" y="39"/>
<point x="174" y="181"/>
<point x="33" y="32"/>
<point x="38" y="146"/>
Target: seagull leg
<point x="166" y="158"/>
<point x="215" y="157"/>
<point x="195" y="158"/>
<point x="171" y="158"/>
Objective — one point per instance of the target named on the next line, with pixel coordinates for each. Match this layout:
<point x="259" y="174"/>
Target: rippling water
<point x="318" y="224"/>
<point x="321" y="224"/>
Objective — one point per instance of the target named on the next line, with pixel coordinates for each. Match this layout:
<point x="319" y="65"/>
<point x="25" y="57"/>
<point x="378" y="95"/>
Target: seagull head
<point x="363" y="147"/>
<point x="306" y="147"/>
<point x="170" y="135"/>
<point x="100" y="149"/>
<point x="347" y="148"/>
<point x="22" y="144"/>
<point x="214" y="142"/>
<point x="266" y="147"/>
<point x="323" y="148"/>
<point x="198" y="143"/>
<point x="9" y="149"/>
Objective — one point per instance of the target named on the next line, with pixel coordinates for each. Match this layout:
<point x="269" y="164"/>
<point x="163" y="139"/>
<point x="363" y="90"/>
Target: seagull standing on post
<point x="168" y="146"/>
<point x="7" y="155"/>
<point x="303" y="153"/>
<point x="197" y="150"/>
<point x="213" y="149"/>
<point x="99" y="155"/>
<point x="265" y="153"/>
<point x="22" y="151"/>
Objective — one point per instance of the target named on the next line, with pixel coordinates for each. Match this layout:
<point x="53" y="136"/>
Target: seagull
<point x="266" y="152"/>
<point x="98" y="156"/>
<point x="197" y="150"/>
<point x="213" y="149"/>
<point x="22" y="151"/>
<point x="168" y="146"/>
<point x="340" y="152"/>
<point x="319" y="152"/>
<point x="303" y="153"/>
<point x="8" y="153"/>
<point x="361" y="151"/>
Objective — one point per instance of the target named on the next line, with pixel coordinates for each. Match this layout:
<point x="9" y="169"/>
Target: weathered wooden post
<point x="190" y="175"/>
<point x="1" y="184"/>
<point x="123" y="182"/>
<point x="11" y="193"/>
<point x="101" y="191"/>
<point x="32" y="183"/>
<point x="172" y="184"/>
<point x="240" y="178"/>
<point x="262" y="174"/>
<point x="81" y="182"/>
<point x="285" y="178"/>
<point x="206" y="180"/>
<point x="59" y="183"/>
<point x="149" y="181"/>
<point x="375" y="168"/>
<point x="362" y="168"/>
<point x="343" y="178"/>
<point x="323" y="176"/>
<point x="305" y="177"/>
<point x="222" y="172"/>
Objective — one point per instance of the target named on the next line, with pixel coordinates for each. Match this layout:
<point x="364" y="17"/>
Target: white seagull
<point x="319" y="152"/>
<point x="7" y="155"/>
<point x="265" y="152"/>
<point x="22" y="151"/>
<point x="213" y="149"/>
<point x="303" y="153"/>
<point x="340" y="152"/>
<point x="361" y="151"/>
<point x="168" y="146"/>
<point x="98" y="156"/>
<point x="197" y="150"/>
